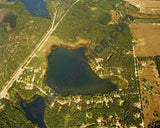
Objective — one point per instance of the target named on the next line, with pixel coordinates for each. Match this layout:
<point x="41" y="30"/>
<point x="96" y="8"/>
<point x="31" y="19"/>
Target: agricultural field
<point x="147" y="38"/>
<point x="147" y="6"/>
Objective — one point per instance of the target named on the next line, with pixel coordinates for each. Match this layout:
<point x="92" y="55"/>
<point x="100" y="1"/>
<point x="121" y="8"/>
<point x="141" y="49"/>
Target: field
<point x="146" y="3"/>
<point x="147" y="6"/>
<point x="151" y="4"/>
<point x="147" y="37"/>
<point x="150" y="86"/>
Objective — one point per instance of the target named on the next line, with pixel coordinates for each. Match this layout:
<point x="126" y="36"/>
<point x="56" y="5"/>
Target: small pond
<point x="34" y="110"/>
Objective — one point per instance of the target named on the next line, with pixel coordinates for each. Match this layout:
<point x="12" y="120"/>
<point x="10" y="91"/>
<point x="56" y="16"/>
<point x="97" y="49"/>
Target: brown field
<point x="150" y="91"/>
<point x="147" y="6"/>
<point x="150" y="11"/>
<point x="146" y="3"/>
<point x="148" y="38"/>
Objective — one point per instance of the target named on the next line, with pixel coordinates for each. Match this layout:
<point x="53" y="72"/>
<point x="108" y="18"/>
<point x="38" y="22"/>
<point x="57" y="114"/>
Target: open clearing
<point x="150" y="91"/>
<point x="148" y="38"/>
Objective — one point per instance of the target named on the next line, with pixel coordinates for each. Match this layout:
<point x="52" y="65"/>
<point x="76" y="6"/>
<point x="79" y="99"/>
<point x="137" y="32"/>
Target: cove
<point x="35" y="7"/>
<point x="69" y="73"/>
<point x="34" y="110"/>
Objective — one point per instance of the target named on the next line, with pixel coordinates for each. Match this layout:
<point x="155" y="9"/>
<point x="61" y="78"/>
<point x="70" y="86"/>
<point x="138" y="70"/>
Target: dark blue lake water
<point x="69" y="72"/>
<point x="34" y="110"/>
<point x="35" y="7"/>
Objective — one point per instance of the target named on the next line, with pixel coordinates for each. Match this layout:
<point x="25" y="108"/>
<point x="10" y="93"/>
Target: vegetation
<point x="3" y="36"/>
<point x="60" y="5"/>
<point x="157" y="59"/>
<point x="11" y="19"/>
<point x="86" y="112"/>
<point x="18" y="42"/>
<point x="154" y="124"/>
<point x="103" y="17"/>
<point x="104" y="4"/>
<point x="12" y="116"/>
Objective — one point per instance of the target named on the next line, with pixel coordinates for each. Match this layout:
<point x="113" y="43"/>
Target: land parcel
<point x="147" y="38"/>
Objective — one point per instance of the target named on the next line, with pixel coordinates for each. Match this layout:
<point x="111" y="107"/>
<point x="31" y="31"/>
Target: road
<point x="29" y="58"/>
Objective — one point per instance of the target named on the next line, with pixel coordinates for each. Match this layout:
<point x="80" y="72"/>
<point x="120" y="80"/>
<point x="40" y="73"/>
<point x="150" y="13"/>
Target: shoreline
<point x="20" y="97"/>
<point x="68" y="46"/>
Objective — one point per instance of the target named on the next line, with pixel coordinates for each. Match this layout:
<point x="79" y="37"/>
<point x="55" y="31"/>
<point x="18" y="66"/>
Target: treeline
<point x="157" y="59"/>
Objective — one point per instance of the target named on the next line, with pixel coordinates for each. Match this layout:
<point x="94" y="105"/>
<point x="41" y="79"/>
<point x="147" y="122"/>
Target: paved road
<point x="29" y="58"/>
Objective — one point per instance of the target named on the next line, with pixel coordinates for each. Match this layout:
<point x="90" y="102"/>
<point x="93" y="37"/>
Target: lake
<point x="34" y="110"/>
<point x="36" y="8"/>
<point x="69" y="73"/>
